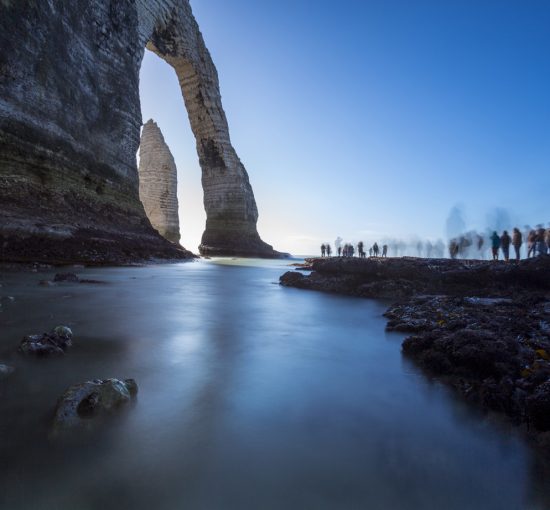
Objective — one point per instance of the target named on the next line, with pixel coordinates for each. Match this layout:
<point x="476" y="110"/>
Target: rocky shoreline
<point x="481" y="328"/>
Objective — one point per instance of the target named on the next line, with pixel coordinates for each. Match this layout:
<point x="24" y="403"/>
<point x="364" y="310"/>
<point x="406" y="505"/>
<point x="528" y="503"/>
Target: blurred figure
<point x="329" y="250"/>
<point x="360" y="249"/>
<point x="439" y="249"/>
<point x="531" y="240"/>
<point x="323" y="250"/>
<point x="505" y="241"/>
<point x="419" y="248"/>
<point x="480" y="243"/>
<point x="495" y="245"/>
<point x="370" y="251"/>
<point x="429" y="249"/>
<point x="517" y="241"/>
<point x="453" y="249"/>
<point x="375" y="249"/>
<point x="338" y="245"/>
<point x="385" y="251"/>
<point x="540" y="244"/>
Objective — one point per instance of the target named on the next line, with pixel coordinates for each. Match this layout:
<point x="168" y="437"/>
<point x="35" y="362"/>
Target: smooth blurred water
<point x="252" y="396"/>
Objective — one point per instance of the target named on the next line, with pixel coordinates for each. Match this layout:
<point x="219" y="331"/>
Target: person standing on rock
<point x="517" y="241"/>
<point x="385" y="251"/>
<point x="339" y="251"/>
<point x="329" y="250"/>
<point x="360" y="249"/>
<point x="323" y="250"/>
<point x="375" y="249"/>
<point x="505" y="241"/>
<point x="540" y="244"/>
<point x="495" y="245"/>
<point x="531" y="240"/>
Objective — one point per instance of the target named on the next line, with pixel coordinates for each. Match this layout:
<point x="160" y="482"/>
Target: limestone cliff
<point x="158" y="182"/>
<point x="69" y="131"/>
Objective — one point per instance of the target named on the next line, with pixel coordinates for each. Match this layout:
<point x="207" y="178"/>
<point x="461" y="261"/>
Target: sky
<point x="371" y="118"/>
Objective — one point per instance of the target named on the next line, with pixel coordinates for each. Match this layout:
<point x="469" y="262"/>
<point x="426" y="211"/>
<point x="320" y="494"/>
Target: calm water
<point x="252" y="396"/>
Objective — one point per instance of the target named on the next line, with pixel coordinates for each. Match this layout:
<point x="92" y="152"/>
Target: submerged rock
<point x="5" y="371"/>
<point x="82" y="404"/>
<point x="66" y="277"/>
<point x="46" y="345"/>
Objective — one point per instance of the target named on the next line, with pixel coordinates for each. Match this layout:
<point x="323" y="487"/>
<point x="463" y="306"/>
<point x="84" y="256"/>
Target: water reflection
<point x="251" y="396"/>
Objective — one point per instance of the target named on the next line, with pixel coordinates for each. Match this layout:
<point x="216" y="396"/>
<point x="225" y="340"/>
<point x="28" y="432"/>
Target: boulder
<point x="55" y="343"/>
<point x="66" y="277"/>
<point x="5" y="371"/>
<point x="82" y="405"/>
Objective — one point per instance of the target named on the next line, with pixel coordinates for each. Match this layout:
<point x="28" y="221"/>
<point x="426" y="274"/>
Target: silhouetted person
<point x="480" y="242"/>
<point x="323" y="250"/>
<point x="360" y="248"/>
<point x="329" y="250"/>
<point x="453" y="248"/>
<point x="495" y="245"/>
<point x="429" y="249"/>
<point x="370" y="251"/>
<point x="339" y="251"/>
<point x="517" y="241"/>
<point x="540" y="244"/>
<point x="505" y="241"/>
<point x="385" y="250"/>
<point x="375" y="249"/>
<point x="531" y="241"/>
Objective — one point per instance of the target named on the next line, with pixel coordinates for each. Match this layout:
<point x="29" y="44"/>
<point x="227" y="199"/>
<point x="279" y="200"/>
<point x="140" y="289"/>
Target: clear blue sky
<point x="367" y="118"/>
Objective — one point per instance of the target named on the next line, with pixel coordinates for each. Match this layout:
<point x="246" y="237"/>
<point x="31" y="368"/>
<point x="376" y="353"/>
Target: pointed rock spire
<point x="158" y="182"/>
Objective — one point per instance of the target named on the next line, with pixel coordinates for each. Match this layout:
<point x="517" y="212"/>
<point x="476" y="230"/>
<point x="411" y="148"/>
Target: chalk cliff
<point x="158" y="182"/>
<point x="69" y="132"/>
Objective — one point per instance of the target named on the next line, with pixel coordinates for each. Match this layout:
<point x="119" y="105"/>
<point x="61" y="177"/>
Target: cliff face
<point x="69" y="131"/>
<point x="158" y="182"/>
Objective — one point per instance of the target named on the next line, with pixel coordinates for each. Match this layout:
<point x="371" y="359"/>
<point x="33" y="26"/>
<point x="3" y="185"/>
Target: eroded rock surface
<point x="70" y="124"/>
<point x="83" y="404"/>
<point x="46" y="345"/>
<point x="158" y="182"/>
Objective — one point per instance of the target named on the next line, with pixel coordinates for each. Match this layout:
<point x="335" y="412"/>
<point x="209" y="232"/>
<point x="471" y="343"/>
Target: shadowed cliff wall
<point x="69" y="131"/>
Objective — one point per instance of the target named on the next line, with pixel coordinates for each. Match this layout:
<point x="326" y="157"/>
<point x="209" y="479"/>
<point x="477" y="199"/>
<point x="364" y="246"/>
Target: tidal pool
<point x="251" y="396"/>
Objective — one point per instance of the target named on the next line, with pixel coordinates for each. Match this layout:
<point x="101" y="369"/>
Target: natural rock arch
<point x="169" y="29"/>
<point x="69" y="131"/>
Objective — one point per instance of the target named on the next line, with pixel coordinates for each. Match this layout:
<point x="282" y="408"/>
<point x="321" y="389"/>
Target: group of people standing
<point x="348" y="250"/>
<point x="538" y="243"/>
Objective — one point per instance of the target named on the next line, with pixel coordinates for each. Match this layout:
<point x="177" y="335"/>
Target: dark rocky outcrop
<point x="70" y="125"/>
<point x="5" y="371"/>
<point x="397" y="278"/>
<point x="46" y="345"/>
<point x="84" y="404"/>
<point x="483" y="328"/>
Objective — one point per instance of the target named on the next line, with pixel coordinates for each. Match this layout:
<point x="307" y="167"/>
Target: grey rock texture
<point x="82" y="405"/>
<point x="69" y="132"/>
<point x="158" y="182"/>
